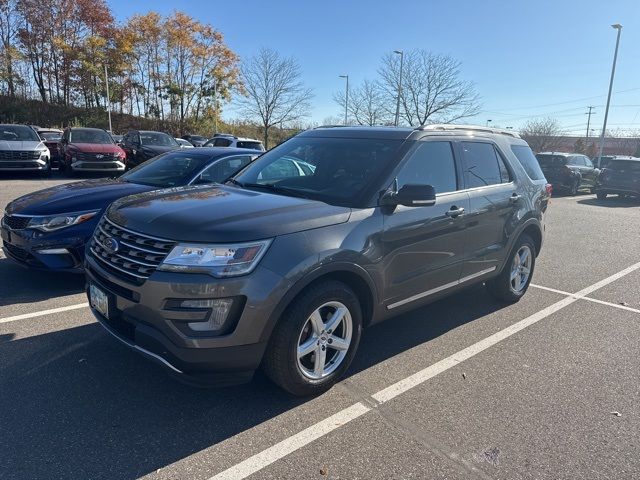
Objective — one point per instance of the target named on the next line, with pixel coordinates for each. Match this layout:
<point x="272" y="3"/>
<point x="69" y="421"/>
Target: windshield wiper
<point x="234" y="181"/>
<point x="293" y="192"/>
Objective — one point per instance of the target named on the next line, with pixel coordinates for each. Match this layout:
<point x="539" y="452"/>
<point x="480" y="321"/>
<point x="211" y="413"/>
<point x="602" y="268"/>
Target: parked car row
<point x="572" y="172"/>
<point x="80" y="149"/>
<point x="282" y="264"/>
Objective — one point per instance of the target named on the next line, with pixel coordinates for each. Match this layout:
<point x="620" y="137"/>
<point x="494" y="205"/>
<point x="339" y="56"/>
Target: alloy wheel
<point x="520" y="269"/>
<point x="324" y="340"/>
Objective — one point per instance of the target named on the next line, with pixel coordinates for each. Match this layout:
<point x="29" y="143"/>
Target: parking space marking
<point x="594" y="300"/>
<point x="43" y="312"/>
<point x="272" y="454"/>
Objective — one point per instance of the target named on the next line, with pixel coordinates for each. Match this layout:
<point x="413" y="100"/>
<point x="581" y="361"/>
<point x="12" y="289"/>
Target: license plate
<point x="6" y="235"/>
<point x="99" y="300"/>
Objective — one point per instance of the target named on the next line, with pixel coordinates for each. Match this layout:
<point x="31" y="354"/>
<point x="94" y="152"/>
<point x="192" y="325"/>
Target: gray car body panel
<point x="390" y="260"/>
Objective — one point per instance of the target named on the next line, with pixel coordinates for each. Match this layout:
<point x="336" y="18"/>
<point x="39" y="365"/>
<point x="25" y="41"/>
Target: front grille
<point x="16" y="223"/>
<point x="17" y="252"/>
<point x="19" y="155"/>
<point x="94" y="157"/>
<point x="137" y="255"/>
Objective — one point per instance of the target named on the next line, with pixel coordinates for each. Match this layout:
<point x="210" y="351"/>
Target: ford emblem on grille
<point x="111" y="244"/>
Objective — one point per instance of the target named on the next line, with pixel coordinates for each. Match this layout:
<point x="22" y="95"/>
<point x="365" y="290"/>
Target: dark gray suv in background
<point x="332" y="231"/>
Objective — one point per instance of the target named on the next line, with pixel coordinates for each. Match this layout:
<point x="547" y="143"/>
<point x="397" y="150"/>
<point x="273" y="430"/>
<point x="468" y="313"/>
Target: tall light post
<point x="488" y="122"/>
<point x="106" y="81"/>
<point x="346" y="99"/>
<point x="588" y="125"/>
<point x="401" y="53"/>
<point x="618" y="27"/>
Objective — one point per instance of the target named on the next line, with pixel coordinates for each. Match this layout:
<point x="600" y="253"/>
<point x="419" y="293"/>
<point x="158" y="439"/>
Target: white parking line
<point x="272" y="454"/>
<point x="594" y="300"/>
<point x="43" y="312"/>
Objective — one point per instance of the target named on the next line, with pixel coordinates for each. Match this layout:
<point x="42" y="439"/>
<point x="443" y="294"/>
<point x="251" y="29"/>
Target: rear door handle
<point x="514" y="198"/>
<point x="454" y="212"/>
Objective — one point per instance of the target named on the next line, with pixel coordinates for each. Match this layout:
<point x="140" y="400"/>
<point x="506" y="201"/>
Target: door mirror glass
<point x="411" y="195"/>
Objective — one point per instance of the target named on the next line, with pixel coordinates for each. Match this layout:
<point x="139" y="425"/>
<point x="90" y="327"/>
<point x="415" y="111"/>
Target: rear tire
<point x="601" y="195"/>
<point x="575" y="186"/>
<point x="306" y="326"/>
<point x="511" y="285"/>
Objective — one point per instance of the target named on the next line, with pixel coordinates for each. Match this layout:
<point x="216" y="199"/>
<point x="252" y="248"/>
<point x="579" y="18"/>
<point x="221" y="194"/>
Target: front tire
<point x="513" y="282"/>
<point x="575" y="186"/>
<point x="315" y="340"/>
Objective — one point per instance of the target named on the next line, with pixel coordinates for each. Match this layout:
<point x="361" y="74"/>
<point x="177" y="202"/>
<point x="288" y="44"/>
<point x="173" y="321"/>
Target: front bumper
<point x="35" y="250"/>
<point x="140" y="315"/>
<point x="98" y="166"/>
<point x="23" y="165"/>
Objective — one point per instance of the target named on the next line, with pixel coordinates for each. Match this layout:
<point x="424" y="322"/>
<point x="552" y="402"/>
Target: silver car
<point x="21" y="149"/>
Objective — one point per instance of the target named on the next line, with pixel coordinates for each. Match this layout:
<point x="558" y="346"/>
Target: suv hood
<point x="21" y="145"/>
<point x="74" y="197"/>
<point x="221" y="214"/>
<point x="95" y="147"/>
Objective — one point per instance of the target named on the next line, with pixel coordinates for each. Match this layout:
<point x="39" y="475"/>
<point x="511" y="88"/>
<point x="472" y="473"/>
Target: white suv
<point x="227" y="140"/>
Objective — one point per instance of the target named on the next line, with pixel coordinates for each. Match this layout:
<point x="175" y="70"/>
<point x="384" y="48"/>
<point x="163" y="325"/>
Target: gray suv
<point x="330" y="232"/>
<point x="21" y="149"/>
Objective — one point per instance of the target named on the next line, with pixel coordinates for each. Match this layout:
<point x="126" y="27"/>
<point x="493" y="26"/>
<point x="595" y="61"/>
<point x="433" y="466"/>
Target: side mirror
<point x="411" y="195"/>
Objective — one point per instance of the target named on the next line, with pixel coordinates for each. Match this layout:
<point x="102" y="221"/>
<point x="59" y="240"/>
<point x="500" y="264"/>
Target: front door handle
<point x="454" y="212"/>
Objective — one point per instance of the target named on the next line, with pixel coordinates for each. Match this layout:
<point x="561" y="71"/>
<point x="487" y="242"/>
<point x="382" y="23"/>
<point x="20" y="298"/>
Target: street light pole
<point x="106" y="81"/>
<point x="401" y="53"/>
<point x="618" y="27"/>
<point x="488" y="122"/>
<point x="346" y="100"/>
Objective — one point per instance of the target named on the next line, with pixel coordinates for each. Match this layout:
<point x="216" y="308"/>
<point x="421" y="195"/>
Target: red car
<point x="90" y="150"/>
<point x="51" y="138"/>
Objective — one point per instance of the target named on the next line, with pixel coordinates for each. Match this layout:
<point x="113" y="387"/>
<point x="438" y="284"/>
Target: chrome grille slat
<point x="132" y="258"/>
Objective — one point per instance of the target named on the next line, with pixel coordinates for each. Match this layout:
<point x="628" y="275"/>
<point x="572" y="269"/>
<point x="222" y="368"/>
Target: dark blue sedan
<point x="48" y="229"/>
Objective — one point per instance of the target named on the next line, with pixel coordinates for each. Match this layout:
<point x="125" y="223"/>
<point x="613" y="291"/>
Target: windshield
<point x="340" y="171"/>
<point x="168" y="170"/>
<point x="158" y="139"/>
<point x="90" y="136"/>
<point x="51" y="136"/>
<point x="18" y="133"/>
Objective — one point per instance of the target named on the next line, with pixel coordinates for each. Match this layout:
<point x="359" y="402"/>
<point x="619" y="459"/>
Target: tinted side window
<point x="223" y="169"/>
<point x="482" y="165"/>
<point x="587" y="162"/>
<point x="431" y="163"/>
<point x="575" y="161"/>
<point x="222" y="142"/>
<point x="528" y="161"/>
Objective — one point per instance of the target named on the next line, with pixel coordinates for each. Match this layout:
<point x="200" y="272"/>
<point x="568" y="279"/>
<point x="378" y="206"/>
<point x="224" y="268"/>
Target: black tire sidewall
<point x="292" y="323"/>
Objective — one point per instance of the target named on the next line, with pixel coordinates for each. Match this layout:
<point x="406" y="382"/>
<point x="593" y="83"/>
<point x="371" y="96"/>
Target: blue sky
<point x="542" y="57"/>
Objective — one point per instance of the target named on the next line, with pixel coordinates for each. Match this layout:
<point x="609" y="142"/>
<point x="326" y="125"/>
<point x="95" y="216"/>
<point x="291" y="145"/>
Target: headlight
<point x="228" y="260"/>
<point x="56" y="222"/>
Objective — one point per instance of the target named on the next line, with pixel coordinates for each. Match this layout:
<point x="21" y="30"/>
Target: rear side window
<point x="253" y="145"/>
<point x="483" y="165"/>
<point x="528" y="161"/>
<point x="628" y="166"/>
<point x="431" y="163"/>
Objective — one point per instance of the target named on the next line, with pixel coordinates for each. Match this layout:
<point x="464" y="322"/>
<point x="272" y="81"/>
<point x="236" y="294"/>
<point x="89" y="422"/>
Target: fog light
<point x="220" y="308"/>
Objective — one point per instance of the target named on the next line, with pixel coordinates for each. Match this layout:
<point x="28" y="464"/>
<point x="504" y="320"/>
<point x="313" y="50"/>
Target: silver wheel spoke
<point x="320" y="351"/>
<point x="319" y="361"/>
<point x="317" y="323"/>
<point x="307" y="347"/>
<point x="338" y="343"/>
<point x="335" y="319"/>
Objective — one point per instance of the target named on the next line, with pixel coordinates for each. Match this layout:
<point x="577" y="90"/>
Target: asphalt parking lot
<point x="464" y="388"/>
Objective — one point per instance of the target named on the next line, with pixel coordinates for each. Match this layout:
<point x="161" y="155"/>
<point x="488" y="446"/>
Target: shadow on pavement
<point x="77" y="404"/>
<point x="612" y="201"/>
<point x="20" y="285"/>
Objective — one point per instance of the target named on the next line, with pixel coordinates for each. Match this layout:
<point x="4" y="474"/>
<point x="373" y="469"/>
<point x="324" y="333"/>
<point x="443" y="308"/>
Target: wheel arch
<point x="354" y="276"/>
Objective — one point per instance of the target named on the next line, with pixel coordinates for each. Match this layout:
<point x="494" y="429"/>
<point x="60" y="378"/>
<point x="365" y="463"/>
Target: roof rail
<point x="330" y="126"/>
<point x="475" y="128"/>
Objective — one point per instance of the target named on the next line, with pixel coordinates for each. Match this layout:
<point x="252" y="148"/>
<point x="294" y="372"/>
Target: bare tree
<point x="9" y="54"/>
<point x="365" y="105"/>
<point x="542" y="134"/>
<point x="275" y="94"/>
<point x="432" y="90"/>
